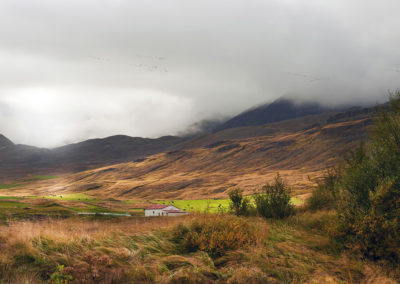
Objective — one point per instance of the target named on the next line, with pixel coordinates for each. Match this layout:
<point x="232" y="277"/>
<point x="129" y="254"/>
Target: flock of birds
<point x="153" y="66"/>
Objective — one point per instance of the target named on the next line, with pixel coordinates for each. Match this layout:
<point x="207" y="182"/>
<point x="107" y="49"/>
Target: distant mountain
<point x="20" y="160"/>
<point x="279" y="110"/>
<point x="281" y="116"/>
<point x="210" y="166"/>
<point x="4" y="141"/>
<point x="114" y="149"/>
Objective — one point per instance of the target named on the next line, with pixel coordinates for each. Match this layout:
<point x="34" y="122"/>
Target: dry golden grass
<point x="147" y="250"/>
<point x="67" y="229"/>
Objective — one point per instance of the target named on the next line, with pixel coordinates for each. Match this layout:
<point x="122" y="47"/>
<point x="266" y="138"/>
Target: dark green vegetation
<point x="326" y="194"/>
<point x="365" y="190"/>
<point x="273" y="201"/>
<point x="239" y="204"/>
<point x="369" y="207"/>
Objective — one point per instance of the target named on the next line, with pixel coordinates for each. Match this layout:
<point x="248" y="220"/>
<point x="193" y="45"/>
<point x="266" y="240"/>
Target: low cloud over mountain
<point x="76" y="70"/>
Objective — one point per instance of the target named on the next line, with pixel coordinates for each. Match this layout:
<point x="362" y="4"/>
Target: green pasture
<point x="8" y="186"/>
<point x="202" y="205"/>
<point x="208" y="205"/>
<point x="20" y="206"/>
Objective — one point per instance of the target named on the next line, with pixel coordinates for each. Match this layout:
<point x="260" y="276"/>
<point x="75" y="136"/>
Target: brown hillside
<point x="212" y="165"/>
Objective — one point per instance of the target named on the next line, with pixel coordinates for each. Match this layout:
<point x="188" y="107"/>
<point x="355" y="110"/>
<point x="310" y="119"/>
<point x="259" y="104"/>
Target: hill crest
<point x="279" y="110"/>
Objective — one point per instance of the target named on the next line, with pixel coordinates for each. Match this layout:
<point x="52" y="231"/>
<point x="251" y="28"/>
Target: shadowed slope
<point x="4" y="141"/>
<point x="279" y="110"/>
<point x="21" y="160"/>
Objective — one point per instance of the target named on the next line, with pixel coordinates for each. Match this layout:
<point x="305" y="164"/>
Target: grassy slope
<point x="31" y="207"/>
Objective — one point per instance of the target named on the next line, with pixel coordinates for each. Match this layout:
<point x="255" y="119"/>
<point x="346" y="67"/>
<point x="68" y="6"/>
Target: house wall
<point x="160" y="212"/>
<point x="154" y="212"/>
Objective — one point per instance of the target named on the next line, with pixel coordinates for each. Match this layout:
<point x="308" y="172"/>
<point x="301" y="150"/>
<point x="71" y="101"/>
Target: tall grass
<point x="197" y="248"/>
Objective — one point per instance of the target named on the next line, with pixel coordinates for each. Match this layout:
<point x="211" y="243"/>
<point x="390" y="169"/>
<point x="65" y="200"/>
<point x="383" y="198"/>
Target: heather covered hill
<point x="203" y="165"/>
<point x="282" y="116"/>
<point x="213" y="165"/>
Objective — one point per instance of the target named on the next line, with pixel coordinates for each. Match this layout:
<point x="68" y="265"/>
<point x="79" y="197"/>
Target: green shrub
<point x="369" y="205"/>
<point x="239" y="204"/>
<point x="325" y="195"/>
<point x="59" y="277"/>
<point x="274" y="201"/>
<point x="215" y="235"/>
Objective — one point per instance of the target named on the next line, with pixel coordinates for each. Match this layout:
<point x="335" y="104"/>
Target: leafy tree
<point x="369" y="206"/>
<point x="325" y="195"/>
<point x="239" y="204"/>
<point x="274" y="201"/>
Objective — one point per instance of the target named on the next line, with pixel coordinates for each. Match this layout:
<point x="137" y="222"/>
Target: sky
<point x="74" y="70"/>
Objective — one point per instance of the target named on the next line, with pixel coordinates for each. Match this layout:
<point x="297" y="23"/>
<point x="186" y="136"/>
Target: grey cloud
<point x="84" y="69"/>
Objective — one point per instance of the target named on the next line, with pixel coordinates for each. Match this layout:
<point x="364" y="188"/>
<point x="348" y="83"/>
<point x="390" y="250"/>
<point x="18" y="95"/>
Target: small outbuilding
<point x="163" y="210"/>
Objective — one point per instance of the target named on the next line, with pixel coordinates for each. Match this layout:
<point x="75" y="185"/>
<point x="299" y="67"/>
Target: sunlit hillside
<point x="212" y="165"/>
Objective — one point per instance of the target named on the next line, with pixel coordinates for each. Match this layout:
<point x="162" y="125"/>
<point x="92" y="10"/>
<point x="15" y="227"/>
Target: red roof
<point x="156" y="206"/>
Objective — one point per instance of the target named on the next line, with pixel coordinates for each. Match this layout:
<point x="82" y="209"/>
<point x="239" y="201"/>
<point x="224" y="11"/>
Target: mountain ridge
<point x="279" y="110"/>
<point x="4" y="141"/>
<point x="21" y="160"/>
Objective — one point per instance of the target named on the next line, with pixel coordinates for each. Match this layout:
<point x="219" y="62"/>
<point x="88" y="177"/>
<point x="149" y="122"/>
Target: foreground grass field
<point x="171" y="250"/>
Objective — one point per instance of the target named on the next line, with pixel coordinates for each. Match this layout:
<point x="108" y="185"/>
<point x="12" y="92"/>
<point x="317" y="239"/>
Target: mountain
<point x="21" y="160"/>
<point x="212" y="165"/>
<point x="279" y="110"/>
<point x="4" y="141"/>
<point x="287" y="144"/>
<point x="113" y="149"/>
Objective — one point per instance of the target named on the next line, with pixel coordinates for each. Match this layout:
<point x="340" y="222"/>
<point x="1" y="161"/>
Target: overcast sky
<point x="72" y="70"/>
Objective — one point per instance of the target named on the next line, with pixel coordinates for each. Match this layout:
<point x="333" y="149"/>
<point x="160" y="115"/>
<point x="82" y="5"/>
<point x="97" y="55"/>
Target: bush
<point x="59" y="277"/>
<point x="215" y="235"/>
<point x="326" y="194"/>
<point x="369" y="206"/>
<point x="239" y="204"/>
<point x="274" y="201"/>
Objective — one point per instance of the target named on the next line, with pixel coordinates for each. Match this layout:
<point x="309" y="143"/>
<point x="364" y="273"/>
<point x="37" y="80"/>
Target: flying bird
<point x="311" y="79"/>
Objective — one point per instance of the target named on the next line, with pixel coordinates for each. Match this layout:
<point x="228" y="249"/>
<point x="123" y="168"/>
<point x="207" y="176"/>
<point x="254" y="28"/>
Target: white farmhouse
<point x="163" y="210"/>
